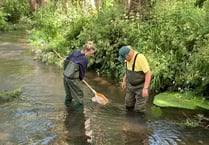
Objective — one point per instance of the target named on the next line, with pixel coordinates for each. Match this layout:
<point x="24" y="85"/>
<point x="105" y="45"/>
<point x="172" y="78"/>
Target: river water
<point x="39" y="117"/>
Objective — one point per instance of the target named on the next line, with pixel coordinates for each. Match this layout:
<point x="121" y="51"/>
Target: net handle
<point x="89" y="87"/>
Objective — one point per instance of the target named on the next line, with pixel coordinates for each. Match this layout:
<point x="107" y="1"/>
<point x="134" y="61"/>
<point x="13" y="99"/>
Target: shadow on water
<point x="40" y="117"/>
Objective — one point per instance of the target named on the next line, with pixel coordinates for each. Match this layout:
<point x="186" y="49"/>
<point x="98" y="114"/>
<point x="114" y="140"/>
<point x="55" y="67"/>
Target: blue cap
<point x="123" y="52"/>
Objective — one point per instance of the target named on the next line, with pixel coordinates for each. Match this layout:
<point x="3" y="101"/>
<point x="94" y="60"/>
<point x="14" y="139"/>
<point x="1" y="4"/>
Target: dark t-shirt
<point x="79" y="58"/>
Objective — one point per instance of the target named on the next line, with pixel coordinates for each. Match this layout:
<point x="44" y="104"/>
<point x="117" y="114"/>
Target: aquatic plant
<point x="7" y="96"/>
<point x="199" y="120"/>
<point x="185" y="100"/>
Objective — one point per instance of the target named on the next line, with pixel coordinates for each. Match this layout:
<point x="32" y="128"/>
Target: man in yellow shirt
<point x="136" y="80"/>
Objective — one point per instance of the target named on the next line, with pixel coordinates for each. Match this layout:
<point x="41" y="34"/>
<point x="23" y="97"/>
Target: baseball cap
<point x="123" y="52"/>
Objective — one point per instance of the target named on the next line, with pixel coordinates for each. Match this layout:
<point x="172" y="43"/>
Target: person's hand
<point x="123" y="85"/>
<point x="145" y="92"/>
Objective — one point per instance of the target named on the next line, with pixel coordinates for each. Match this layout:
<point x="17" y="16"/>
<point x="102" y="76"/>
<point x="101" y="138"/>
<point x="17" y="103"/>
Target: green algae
<point x="180" y="100"/>
<point x="7" y="96"/>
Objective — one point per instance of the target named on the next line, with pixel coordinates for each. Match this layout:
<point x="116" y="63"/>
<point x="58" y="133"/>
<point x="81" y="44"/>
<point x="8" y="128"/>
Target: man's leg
<point x="129" y="100"/>
<point x="140" y="105"/>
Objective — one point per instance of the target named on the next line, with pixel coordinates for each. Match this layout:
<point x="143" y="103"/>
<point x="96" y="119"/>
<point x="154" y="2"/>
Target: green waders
<point x="73" y="91"/>
<point x="73" y="85"/>
<point x="135" y="84"/>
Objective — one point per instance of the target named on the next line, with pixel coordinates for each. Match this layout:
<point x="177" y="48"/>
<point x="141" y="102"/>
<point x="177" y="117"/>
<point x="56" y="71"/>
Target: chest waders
<point x="73" y="87"/>
<point x="135" y="84"/>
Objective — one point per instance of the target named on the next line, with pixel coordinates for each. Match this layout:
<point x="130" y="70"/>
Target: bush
<point x="3" y="22"/>
<point x="173" y="36"/>
<point x="16" y="9"/>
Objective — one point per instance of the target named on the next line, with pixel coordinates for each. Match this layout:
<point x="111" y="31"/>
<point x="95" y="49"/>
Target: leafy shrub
<point x="173" y="36"/>
<point x="3" y="22"/>
<point x="16" y="9"/>
<point x="175" y="29"/>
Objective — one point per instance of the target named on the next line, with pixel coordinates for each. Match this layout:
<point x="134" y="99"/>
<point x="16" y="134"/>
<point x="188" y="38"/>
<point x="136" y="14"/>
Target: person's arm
<point x="145" y="91"/>
<point x="83" y="62"/>
<point x="123" y="85"/>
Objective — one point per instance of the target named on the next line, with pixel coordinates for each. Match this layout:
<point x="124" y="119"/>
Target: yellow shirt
<point x="141" y="63"/>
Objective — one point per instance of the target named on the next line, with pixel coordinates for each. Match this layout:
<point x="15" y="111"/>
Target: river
<point x="40" y="117"/>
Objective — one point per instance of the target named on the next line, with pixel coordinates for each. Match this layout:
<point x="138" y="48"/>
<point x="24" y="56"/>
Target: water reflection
<point x="135" y="130"/>
<point x="75" y="124"/>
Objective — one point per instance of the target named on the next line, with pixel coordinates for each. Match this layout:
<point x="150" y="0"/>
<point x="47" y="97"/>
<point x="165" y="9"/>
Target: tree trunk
<point x="90" y="3"/>
<point x="35" y="4"/>
<point x="137" y="6"/>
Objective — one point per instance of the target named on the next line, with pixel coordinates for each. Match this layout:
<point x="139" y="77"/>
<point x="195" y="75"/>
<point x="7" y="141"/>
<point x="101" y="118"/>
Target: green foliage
<point x="173" y="36"/>
<point x="16" y="9"/>
<point x="3" y="22"/>
<point x="49" y="26"/>
<point x="108" y="31"/>
<point x="55" y="29"/>
<point x="176" y="28"/>
<point x="198" y="70"/>
<point x="46" y="23"/>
